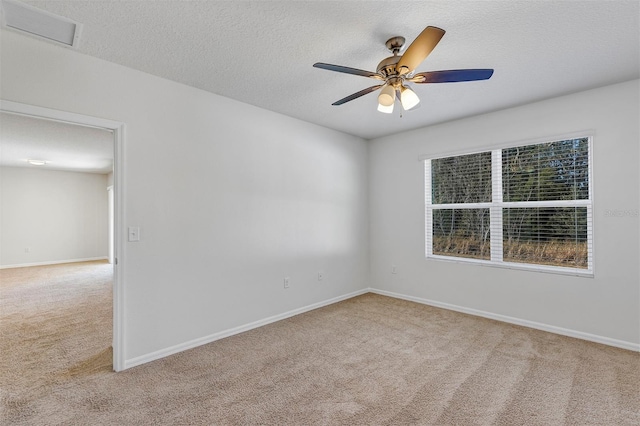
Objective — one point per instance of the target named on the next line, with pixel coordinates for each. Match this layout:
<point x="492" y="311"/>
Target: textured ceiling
<point x="64" y="146"/>
<point x="262" y="52"/>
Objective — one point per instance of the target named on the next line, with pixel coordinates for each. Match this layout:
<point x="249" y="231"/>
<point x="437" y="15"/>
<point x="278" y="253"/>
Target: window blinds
<point x="521" y="205"/>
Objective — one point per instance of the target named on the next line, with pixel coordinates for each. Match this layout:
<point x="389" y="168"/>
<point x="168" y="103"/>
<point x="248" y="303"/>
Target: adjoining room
<point x="56" y="246"/>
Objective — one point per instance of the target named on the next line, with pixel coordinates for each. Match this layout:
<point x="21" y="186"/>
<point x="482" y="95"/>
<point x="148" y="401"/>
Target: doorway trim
<point x="118" y="130"/>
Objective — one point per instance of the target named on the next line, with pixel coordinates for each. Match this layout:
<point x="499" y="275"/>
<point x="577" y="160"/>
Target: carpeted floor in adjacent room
<point x="370" y="360"/>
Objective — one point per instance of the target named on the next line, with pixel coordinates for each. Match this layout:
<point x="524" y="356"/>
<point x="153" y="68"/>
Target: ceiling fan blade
<point x="357" y="94"/>
<point x="348" y="70"/>
<point x="452" y="76"/>
<point x="419" y="49"/>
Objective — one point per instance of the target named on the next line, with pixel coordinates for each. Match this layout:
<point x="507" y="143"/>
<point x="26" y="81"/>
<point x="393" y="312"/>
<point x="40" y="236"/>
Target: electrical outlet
<point x="27" y="250"/>
<point x="394" y="269"/>
<point x="320" y="276"/>
<point x="286" y="282"/>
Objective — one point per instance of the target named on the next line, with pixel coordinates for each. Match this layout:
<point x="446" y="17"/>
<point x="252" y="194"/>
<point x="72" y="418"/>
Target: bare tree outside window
<point x="556" y="171"/>
<point x="522" y="205"/>
<point x="462" y="232"/>
<point x="461" y="180"/>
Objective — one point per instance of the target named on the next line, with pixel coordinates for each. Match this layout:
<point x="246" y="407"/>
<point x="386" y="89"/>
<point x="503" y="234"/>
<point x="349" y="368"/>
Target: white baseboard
<point x="525" y="323"/>
<point x="236" y="330"/>
<point x="143" y="359"/>
<point x="53" y="262"/>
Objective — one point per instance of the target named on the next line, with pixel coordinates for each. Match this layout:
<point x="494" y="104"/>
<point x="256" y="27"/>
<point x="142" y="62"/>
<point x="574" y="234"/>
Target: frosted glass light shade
<point x="408" y="98"/>
<point x="385" y="109"/>
<point x="387" y="96"/>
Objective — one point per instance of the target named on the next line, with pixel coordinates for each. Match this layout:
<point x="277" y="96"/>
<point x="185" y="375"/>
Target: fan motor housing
<point x="387" y="67"/>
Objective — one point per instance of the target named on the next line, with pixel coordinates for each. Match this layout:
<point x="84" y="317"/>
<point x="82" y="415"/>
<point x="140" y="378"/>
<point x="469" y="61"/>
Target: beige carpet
<point x="371" y="360"/>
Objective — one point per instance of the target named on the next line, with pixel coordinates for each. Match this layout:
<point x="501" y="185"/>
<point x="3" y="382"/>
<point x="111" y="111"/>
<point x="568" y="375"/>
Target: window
<point x="525" y="206"/>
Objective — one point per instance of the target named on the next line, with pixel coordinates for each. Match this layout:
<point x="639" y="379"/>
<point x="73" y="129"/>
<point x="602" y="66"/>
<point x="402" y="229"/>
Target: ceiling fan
<point x="396" y="72"/>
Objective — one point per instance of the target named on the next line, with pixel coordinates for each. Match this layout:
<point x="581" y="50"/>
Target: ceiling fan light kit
<point x="387" y="95"/>
<point x="408" y="98"/>
<point x="396" y="72"/>
<point x="385" y="109"/>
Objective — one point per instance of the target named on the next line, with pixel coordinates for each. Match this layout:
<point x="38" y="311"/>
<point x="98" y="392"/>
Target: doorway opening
<point x="86" y="266"/>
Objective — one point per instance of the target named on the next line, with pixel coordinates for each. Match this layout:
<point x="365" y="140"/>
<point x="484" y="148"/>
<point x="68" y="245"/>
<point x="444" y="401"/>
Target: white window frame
<point x="497" y="205"/>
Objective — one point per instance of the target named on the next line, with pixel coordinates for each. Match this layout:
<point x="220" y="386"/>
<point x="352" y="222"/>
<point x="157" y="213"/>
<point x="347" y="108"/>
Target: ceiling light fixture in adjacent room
<point x="37" y="162"/>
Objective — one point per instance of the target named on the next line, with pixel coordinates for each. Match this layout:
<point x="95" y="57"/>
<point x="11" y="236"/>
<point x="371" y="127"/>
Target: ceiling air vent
<point x="23" y="17"/>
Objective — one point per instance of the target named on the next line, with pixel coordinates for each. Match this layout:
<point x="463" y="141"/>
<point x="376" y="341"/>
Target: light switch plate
<point x="134" y="233"/>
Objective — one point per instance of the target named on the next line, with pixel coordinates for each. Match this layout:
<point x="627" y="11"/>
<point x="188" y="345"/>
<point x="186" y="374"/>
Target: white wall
<point x="229" y="198"/>
<point x="57" y="216"/>
<point x="606" y="305"/>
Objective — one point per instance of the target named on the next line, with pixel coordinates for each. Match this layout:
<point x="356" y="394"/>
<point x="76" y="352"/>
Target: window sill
<point x="585" y="273"/>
